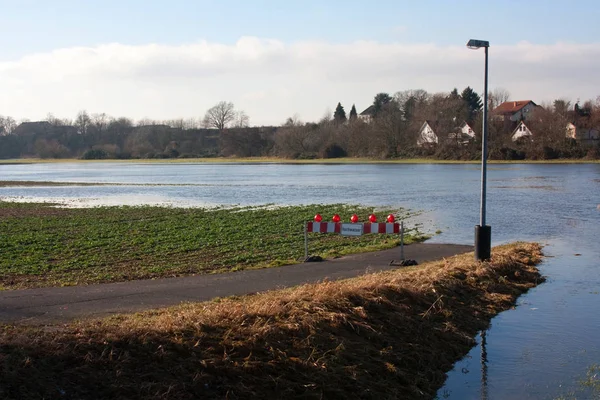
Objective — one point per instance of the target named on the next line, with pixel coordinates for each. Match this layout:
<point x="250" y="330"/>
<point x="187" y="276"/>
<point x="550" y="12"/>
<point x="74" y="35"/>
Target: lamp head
<point x="476" y="44"/>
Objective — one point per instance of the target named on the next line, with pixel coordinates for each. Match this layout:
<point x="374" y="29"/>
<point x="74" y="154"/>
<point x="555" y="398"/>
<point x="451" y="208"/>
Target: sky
<point x="276" y="59"/>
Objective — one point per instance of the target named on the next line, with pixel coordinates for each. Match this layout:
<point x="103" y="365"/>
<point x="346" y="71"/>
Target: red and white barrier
<point x="354" y="228"/>
<point x="324" y="227"/>
<point x="336" y="227"/>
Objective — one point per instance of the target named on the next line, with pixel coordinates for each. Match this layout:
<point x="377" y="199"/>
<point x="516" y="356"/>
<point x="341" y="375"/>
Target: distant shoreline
<point x="275" y="160"/>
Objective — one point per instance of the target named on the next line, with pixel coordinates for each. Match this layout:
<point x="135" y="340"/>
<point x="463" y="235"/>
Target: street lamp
<point x="483" y="232"/>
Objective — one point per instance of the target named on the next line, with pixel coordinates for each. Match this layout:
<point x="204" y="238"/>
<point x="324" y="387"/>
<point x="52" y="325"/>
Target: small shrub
<point x="95" y="154"/>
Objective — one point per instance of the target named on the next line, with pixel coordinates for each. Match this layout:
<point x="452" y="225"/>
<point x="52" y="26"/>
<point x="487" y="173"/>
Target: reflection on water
<point x="484" y="367"/>
<point x="539" y="350"/>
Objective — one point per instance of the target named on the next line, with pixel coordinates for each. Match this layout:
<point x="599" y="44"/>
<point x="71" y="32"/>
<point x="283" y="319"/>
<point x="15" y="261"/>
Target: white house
<point x="521" y="131"/>
<point x="367" y="114"/>
<point x="581" y="133"/>
<point x="514" y="111"/>
<point x="465" y="129"/>
<point x="463" y="133"/>
<point x="426" y="135"/>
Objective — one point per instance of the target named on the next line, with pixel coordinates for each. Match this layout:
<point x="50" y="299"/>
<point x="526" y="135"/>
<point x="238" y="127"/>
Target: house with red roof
<point x="514" y="111"/>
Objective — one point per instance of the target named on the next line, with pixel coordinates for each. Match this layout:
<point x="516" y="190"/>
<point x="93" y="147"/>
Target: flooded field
<point x="546" y="347"/>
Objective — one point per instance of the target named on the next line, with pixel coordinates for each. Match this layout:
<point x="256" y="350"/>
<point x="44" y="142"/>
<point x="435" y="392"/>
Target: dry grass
<point x="389" y="335"/>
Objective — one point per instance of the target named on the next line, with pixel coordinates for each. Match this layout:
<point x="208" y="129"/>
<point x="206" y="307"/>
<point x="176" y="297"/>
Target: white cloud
<point x="272" y="80"/>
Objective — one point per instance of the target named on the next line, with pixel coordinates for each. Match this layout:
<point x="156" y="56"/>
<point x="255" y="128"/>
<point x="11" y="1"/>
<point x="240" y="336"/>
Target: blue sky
<point x="41" y="27"/>
<point x="30" y="26"/>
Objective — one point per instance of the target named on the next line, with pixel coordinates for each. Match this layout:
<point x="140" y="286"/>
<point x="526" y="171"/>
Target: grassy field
<point x="41" y="245"/>
<point x="347" y="160"/>
<point x="390" y="335"/>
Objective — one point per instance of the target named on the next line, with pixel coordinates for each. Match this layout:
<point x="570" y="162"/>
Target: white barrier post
<point x="402" y="240"/>
<point x="305" y="240"/>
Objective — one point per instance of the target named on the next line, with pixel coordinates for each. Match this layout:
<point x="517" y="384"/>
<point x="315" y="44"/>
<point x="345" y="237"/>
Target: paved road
<point x="63" y="304"/>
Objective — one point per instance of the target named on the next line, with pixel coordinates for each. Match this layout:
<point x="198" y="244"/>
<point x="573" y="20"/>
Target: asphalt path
<point x="55" y="305"/>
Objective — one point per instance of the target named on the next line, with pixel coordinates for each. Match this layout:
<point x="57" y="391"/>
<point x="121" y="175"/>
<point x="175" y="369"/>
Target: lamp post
<point x="483" y="232"/>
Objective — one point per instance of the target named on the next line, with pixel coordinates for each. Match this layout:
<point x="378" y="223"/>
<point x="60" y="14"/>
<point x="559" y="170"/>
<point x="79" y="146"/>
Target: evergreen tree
<point x="380" y="101"/>
<point x="339" y="115"/>
<point x="353" y="113"/>
<point x="408" y="110"/>
<point x="454" y="94"/>
<point x="585" y="110"/>
<point x="473" y="102"/>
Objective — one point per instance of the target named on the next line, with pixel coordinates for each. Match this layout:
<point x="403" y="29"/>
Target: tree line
<point x="392" y="125"/>
<point x="388" y="128"/>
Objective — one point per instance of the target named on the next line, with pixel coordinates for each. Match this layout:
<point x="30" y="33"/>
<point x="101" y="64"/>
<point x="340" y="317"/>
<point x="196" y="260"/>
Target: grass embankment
<point x="41" y="245"/>
<point x="390" y="335"/>
<point x="278" y="160"/>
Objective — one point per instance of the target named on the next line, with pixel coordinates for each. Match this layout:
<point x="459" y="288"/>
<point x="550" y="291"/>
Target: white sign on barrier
<point x="352" y="229"/>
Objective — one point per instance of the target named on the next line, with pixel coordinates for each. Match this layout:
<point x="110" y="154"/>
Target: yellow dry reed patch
<point x="381" y="336"/>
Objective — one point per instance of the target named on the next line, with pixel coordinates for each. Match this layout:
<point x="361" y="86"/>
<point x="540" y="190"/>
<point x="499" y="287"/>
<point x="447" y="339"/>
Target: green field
<point x="42" y="245"/>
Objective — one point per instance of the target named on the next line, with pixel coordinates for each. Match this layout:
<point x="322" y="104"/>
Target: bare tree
<point x="181" y="123"/>
<point x="549" y="133"/>
<point x="100" y="122"/>
<point x="419" y="95"/>
<point x="357" y="137"/>
<point x="327" y="117"/>
<point x="192" y="123"/>
<point x="7" y="125"/>
<point x="410" y="101"/>
<point x="297" y="141"/>
<point x="118" y="128"/>
<point x="82" y="122"/>
<point x="497" y="96"/>
<point x="595" y="120"/>
<point x="178" y="123"/>
<point x="220" y="115"/>
<point x="146" y="122"/>
<point x="389" y="133"/>
<point x="242" y="120"/>
<point x="122" y="121"/>
<point x="295" y="120"/>
<point x="52" y="120"/>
